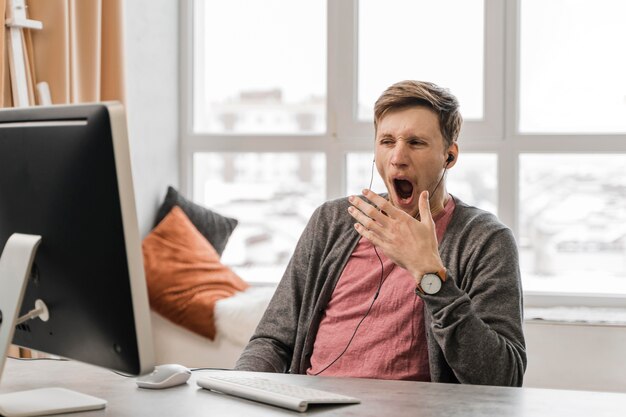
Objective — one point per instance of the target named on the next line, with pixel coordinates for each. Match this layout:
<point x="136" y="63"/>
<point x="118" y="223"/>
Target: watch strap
<point x="442" y="273"/>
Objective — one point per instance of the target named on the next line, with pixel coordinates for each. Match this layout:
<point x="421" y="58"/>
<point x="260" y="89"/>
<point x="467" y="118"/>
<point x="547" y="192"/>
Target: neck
<point x="438" y="202"/>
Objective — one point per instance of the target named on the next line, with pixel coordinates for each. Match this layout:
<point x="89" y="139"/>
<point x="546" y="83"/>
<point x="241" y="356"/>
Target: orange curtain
<point x="78" y="53"/>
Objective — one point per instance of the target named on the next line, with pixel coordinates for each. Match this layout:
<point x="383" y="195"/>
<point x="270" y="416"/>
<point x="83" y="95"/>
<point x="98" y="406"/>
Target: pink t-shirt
<point x="391" y="341"/>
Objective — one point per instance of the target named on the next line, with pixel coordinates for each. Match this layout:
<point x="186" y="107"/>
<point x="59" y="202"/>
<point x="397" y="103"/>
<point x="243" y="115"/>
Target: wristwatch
<point x="431" y="282"/>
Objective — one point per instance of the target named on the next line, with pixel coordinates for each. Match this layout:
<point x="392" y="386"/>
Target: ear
<point x="452" y="155"/>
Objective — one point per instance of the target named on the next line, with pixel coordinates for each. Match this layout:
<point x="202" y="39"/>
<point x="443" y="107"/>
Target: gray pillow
<point x="213" y="226"/>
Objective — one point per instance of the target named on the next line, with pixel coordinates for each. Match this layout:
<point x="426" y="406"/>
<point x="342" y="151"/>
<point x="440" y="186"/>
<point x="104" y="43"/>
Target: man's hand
<point x="409" y="243"/>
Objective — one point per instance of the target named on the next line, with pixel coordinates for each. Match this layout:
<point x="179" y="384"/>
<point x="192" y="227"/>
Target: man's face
<point x="410" y="155"/>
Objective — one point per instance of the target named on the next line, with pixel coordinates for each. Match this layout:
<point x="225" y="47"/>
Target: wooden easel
<point x="19" y="64"/>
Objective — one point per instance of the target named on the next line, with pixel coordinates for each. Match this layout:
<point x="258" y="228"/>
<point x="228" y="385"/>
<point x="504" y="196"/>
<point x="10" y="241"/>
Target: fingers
<point x="363" y="219"/>
<point x="368" y="234"/>
<point x="378" y="214"/>
<point x="371" y="220"/>
<point x="381" y="202"/>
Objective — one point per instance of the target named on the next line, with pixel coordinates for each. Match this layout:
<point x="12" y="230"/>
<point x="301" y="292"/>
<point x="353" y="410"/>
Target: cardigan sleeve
<point x="477" y="317"/>
<point x="271" y="347"/>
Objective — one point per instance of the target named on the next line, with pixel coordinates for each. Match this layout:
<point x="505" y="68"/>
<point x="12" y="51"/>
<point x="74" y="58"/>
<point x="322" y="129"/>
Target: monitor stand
<point x="15" y="265"/>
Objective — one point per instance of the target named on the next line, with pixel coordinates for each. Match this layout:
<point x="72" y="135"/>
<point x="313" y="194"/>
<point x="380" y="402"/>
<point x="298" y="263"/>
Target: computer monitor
<point x="67" y="208"/>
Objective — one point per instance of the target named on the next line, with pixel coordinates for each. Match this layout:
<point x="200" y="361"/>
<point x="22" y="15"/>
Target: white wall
<point x="576" y="356"/>
<point x="151" y="64"/>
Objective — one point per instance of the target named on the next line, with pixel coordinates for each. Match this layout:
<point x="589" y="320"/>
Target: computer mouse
<point x="164" y="376"/>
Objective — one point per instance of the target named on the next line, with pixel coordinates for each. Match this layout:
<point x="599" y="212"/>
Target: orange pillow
<point x="184" y="274"/>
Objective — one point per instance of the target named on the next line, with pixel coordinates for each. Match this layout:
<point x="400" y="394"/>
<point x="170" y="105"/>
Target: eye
<point x="386" y="141"/>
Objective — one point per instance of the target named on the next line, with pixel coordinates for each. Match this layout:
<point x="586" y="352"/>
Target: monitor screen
<point x="65" y="175"/>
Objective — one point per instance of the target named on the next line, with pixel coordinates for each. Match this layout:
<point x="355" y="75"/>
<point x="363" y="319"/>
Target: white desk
<point x="379" y="398"/>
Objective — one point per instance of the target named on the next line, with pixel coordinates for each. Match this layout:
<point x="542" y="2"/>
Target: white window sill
<point x="576" y="315"/>
<point x="260" y="276"/>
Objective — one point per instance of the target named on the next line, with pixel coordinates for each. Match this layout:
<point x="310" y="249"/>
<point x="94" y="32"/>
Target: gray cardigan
<point x="474" y="323"/>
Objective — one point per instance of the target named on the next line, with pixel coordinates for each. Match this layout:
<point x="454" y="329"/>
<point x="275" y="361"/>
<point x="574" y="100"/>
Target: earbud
<point x="450" y="158"/>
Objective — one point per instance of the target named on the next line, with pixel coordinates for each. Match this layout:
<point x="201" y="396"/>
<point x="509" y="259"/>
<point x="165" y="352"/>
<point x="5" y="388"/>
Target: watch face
<point x="431" y="283"/>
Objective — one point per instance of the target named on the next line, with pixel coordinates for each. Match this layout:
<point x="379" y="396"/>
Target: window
<point x="569" y="61"/>
<point x="258" y="71"/>
<point x="396" y="43"/>
<point x="278" y="95"/>
<point x="271" y="194"/>
<point x="569" y="143"/>
<point x="572" y="224"/>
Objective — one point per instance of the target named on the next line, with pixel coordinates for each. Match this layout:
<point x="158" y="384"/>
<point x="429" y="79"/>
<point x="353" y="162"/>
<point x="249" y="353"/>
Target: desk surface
<point x="378" y="397"/>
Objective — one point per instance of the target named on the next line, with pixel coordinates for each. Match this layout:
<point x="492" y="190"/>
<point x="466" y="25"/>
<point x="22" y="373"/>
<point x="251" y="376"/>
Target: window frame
<point x="497" y="133"/>
<point x="517" y="143"/>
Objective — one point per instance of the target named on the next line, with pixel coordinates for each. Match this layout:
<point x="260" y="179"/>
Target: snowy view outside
<point x="572" y="216"/>
<point x="250" y="84"/>
<point x="271" y="194"/>
<point x="260" y="89"/>
<point x="383" y="57"/>
<point x="571" y="210"/>
<point x="571" y="78"/>
<point x="274" y="194"/>
<point x="572" y="222"/>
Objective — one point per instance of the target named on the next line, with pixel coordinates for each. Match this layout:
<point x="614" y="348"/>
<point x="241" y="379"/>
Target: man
<point x="414" y="285"/>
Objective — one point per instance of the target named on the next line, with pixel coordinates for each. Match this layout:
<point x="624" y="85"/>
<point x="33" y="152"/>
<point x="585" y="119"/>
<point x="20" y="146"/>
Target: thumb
<point x="424" y="207"/>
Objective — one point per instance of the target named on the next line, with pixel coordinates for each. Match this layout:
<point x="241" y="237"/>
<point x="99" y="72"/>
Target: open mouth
<point x="404" y="189"/>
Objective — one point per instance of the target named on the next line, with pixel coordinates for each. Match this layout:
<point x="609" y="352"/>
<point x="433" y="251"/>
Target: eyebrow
<point x="411" y="137"/>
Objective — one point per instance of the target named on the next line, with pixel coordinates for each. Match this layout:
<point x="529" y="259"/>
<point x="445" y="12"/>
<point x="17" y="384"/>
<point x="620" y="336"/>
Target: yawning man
<point x="413" y="284"/>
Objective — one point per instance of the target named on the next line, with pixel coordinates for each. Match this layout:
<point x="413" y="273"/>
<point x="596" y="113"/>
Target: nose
<point x="399" y="156"/>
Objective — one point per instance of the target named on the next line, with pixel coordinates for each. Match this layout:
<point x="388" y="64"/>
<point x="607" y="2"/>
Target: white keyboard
<point x="271" y="392"/>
